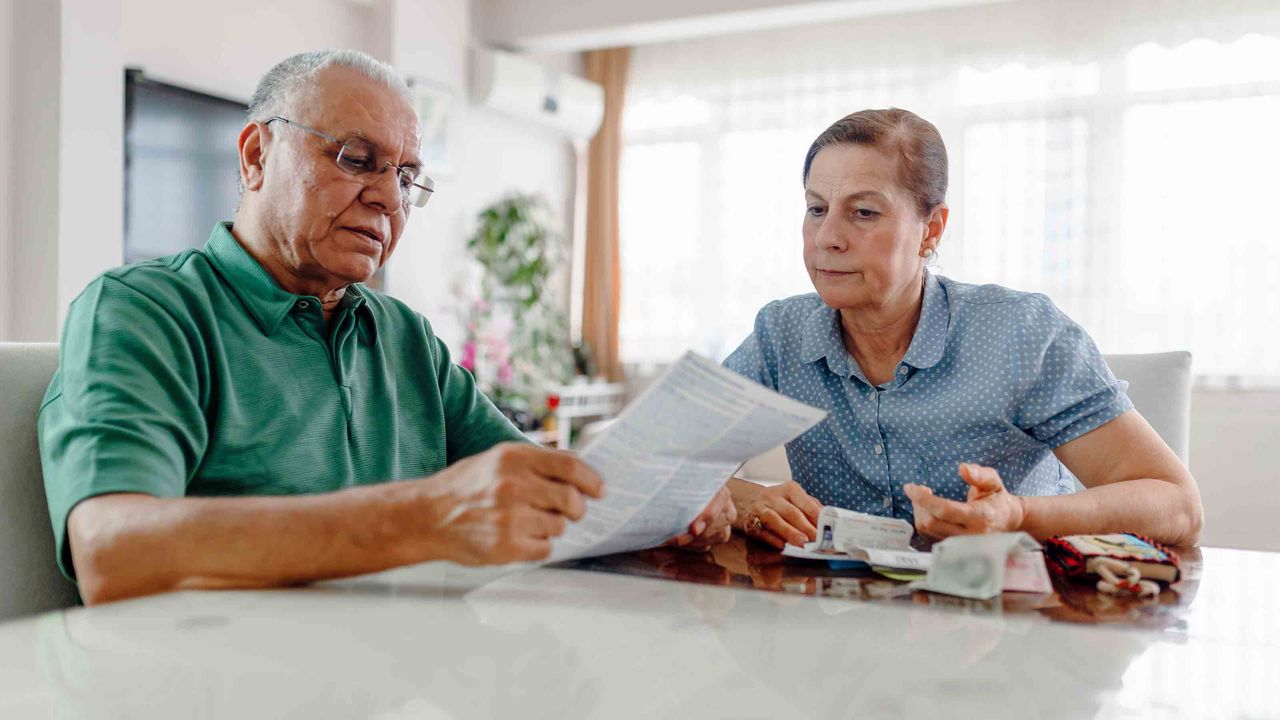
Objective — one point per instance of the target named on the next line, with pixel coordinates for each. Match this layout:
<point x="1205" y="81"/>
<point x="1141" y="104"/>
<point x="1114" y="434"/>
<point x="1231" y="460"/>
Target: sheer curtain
<point x="1118" y="156"/>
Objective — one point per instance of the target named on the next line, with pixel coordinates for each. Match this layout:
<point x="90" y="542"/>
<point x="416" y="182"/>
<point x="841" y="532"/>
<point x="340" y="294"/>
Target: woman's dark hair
<point x="922" y="158"/>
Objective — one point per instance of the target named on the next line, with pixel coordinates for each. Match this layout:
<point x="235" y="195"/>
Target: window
<point x="1127" y="174"/>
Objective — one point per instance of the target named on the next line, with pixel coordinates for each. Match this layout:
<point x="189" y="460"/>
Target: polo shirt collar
<point x="821" y="336"/>
<point x="266" y="301"/>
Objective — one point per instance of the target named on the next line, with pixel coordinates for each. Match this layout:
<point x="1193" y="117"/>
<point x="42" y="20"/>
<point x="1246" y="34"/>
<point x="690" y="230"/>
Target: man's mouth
<point x="366" y="232"/>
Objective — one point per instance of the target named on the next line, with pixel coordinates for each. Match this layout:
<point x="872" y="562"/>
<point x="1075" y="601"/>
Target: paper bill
<point x="973" y="566"/>
<point x="671" y="449"/>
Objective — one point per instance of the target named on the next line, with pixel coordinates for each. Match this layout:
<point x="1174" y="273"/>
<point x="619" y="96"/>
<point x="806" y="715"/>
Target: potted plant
<point x="517" y="339"/>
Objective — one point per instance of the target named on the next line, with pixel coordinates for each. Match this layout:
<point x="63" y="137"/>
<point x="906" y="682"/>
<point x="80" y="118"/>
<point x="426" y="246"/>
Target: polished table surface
<point x="661" y="633"/>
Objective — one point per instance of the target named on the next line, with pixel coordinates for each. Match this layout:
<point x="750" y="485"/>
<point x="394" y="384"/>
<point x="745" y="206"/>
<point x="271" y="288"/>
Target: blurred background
<point x="619" y="182"/>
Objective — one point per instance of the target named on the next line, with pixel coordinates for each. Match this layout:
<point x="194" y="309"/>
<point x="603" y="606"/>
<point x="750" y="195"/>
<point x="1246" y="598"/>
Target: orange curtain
<point x="602" y="267"/>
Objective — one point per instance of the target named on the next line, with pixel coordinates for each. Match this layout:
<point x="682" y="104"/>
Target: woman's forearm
<point x="1165" y="511"/>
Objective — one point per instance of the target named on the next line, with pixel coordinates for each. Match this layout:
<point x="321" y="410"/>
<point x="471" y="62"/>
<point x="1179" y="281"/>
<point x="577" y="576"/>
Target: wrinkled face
<point x="328" y="227"/>
<point x="863" y="235"/>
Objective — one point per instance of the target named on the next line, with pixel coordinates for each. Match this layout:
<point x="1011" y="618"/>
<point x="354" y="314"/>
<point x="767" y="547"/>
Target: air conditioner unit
<point x="517" y="86"/>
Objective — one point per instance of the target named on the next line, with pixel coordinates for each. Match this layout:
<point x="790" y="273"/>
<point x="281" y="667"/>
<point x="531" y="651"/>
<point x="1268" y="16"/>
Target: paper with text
<point x="671" y="449"/>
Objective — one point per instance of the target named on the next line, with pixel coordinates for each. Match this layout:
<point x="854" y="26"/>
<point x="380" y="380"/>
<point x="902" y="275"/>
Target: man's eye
<point x="865" y="213"/>
<point x="816" y="211"/>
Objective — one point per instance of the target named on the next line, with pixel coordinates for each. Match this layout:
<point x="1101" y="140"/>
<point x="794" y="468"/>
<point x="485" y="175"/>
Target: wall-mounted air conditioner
<point x="514" y="85"/>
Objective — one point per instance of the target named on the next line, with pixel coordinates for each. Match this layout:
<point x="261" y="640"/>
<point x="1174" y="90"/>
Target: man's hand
<point x="776" y="515"/>
<point x="989" y="507"/>
<point x="505" y="504"/>
<point x="713" y="525"/>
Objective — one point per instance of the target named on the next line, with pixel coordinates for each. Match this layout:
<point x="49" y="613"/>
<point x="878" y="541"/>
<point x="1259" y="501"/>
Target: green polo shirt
<point x="197" y="375"/>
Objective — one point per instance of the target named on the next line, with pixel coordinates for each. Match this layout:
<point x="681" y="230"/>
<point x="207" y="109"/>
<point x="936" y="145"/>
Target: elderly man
<point x="229" y="417"/>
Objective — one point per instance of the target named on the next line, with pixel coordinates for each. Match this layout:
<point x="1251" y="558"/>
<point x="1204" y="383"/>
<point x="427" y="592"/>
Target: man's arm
<point x="503" y="505"/>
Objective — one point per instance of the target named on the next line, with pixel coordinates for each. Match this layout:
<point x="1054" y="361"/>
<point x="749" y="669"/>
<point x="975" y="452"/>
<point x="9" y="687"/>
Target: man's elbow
<point x="106" y="567"/>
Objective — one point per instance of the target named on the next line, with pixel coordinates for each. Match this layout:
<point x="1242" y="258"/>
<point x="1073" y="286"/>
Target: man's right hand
<point x="505" y="504"/>
<point x="777" y="514"/>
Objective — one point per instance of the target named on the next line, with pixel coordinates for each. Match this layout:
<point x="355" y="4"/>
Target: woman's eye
<point x="865" y="213"/>
<point x="816" y="211"/>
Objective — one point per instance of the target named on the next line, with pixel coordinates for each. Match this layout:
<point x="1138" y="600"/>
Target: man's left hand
<point x="988" y="508"/>
<point x="713" y="525"/>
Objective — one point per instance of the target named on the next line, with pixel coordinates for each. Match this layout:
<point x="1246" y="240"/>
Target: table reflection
<point x="745" y="563"/>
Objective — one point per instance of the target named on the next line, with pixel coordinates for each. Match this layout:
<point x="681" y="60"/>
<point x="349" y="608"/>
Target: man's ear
<point x="253" y="155"/>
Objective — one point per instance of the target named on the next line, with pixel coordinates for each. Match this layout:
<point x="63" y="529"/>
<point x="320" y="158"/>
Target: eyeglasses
<point x="358" y="156"/>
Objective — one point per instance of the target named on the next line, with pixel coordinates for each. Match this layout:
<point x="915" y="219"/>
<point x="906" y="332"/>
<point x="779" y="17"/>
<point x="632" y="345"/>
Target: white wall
<point x="493" y="156"/>
<point x="224" y="47"/>
<point x="1232" y="437"/>
<point x="65" y="194"/>
<point x="7" y="110"/>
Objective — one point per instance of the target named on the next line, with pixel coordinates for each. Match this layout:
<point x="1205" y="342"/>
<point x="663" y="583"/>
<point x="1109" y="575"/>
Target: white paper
<point x="671" y="449"/>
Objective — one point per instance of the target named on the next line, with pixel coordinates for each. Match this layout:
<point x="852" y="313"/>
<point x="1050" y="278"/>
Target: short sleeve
<point x="472" y="423"/>
<point x="752" y="359"/>
<point x="123" y="413"/>
<point x="1072" y="391"/>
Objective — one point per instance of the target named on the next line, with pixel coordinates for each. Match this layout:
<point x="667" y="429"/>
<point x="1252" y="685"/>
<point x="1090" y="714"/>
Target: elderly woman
<point x="958" y="407"/>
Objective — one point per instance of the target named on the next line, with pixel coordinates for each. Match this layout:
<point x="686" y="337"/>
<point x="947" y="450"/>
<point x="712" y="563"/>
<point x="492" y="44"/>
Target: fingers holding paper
<point x="713" y="525"/>
<point x="989" y="507"/>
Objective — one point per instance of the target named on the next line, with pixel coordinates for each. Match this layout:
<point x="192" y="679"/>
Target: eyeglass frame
<point x="428" y="189"/>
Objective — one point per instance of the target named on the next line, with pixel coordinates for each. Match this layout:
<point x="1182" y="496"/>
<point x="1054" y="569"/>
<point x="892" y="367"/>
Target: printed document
<point x="671" y="449"/>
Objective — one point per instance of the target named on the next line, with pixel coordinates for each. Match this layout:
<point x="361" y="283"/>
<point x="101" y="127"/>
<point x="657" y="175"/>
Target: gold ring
<point x="754" y="524"/>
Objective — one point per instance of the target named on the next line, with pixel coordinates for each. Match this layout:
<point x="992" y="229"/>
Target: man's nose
<point x="383" y="191"/>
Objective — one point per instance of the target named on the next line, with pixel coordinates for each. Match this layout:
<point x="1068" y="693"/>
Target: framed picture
<point x="437" y="111"/>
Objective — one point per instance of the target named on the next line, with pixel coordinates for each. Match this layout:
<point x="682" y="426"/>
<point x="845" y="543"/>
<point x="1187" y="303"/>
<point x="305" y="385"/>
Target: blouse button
<point x="303" y="304"/>
<point x="873" y="394"/>
<point x="902" y="369"/>
<point x="879" y="449"/>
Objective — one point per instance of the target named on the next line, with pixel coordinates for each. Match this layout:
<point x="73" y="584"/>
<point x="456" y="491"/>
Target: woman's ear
<point x="252" y="155"/>
<point x="934" y="225"/>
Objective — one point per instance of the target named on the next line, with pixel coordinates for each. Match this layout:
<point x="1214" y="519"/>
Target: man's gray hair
<point x="281" y="84"/>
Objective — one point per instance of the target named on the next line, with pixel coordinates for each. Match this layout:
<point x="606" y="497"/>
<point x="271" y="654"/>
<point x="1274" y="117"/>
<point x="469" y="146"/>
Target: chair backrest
<point x="29" y="577"/>
<point x="1159" y="386"/>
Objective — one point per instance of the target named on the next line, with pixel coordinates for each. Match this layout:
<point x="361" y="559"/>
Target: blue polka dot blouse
<point x="992" y="376"/>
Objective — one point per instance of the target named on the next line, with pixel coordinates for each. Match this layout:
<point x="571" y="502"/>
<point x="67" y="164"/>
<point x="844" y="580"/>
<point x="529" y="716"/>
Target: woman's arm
<point x="1133" y="481"/>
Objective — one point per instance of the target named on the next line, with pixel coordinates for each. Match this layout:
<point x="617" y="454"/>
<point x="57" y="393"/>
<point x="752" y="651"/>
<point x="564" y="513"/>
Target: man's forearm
<point x="127" y="545"/>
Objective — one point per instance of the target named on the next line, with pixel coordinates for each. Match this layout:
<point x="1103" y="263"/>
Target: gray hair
<point x="281" y="83"/>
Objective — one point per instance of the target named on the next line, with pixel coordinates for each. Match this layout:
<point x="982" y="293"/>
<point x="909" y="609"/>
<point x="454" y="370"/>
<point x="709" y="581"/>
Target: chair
<point x="1159" y="386"/>
<point x="29" y="577"/>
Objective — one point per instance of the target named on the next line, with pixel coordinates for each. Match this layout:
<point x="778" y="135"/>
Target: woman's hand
<point x="713" y="525"/>
<point x="989" y="507"/>
<point x="777" y="515"/>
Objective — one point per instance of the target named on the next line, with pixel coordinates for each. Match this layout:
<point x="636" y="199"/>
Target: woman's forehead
<point x="848" y="169"/>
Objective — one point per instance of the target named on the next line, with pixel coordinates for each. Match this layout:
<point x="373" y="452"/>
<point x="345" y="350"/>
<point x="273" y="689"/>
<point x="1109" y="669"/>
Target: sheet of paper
<point x="671" y="449"/>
